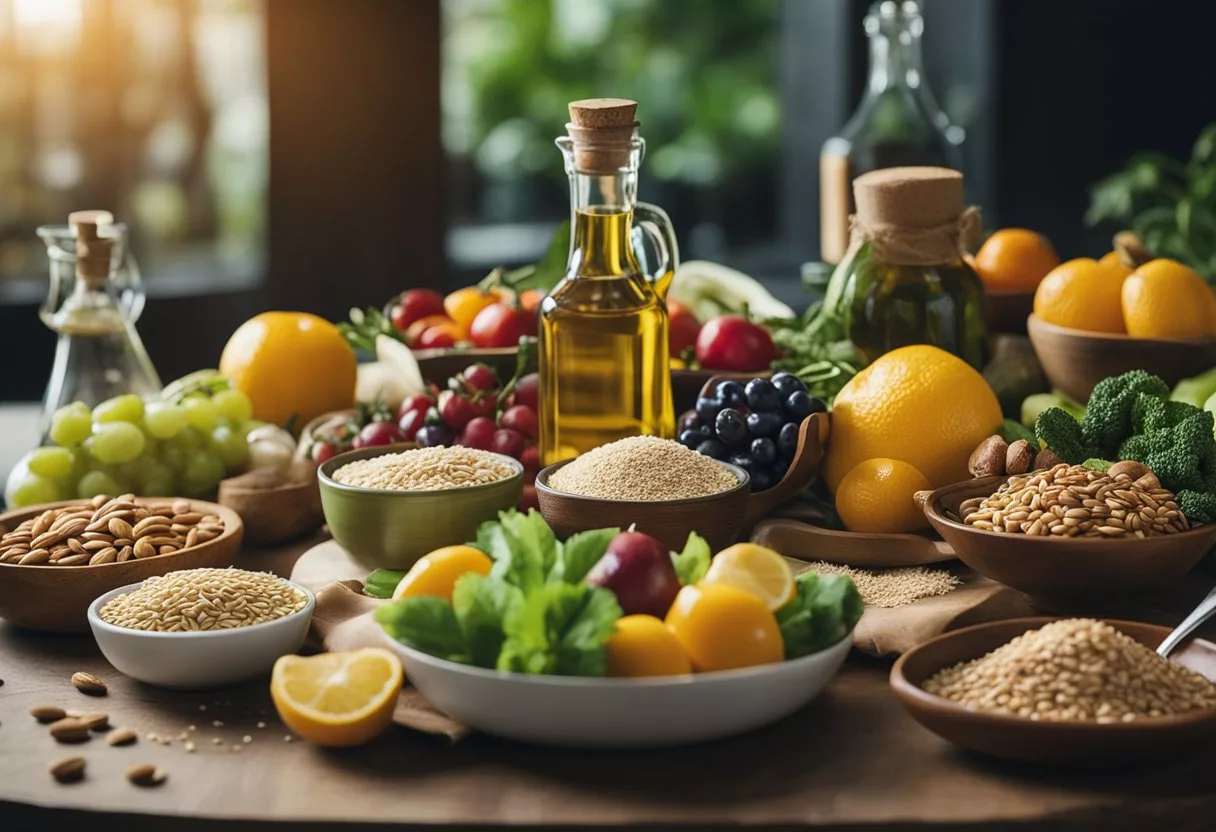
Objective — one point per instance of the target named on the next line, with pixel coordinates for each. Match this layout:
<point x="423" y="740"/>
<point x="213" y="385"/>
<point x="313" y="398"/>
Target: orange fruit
<point x="290" y="364"/>
<point x="876" y="497"/>
<point x="414" y="331"/>
<point x="337" y="699"/>
<point x="755" y="569"/>
<point x="918" y="404"/>
<point x="1014" y="260"/>
<point x="463" y="305"/>
<point x="436" y="573"/>
<point x="722" y="627"/>
<point x="1165" y="299"/>
<point x="641" y="645"/>
<point x="1083" y="294"/>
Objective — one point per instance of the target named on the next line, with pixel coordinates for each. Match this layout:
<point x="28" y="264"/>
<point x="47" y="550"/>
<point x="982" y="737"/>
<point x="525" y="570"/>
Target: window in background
<point x="153" y="109"/>
<point x="706" y="79"/>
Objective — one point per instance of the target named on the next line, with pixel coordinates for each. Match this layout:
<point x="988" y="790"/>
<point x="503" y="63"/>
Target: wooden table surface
<point x="851" y="759"/>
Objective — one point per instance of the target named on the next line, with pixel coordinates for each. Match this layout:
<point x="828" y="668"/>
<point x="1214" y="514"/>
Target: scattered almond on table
<point x="88" y="684"/>
<point x="146" y="775"/>
<point x="68" y="769"/>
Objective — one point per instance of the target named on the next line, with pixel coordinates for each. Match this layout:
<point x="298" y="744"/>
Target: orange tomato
<point x="463" y="305"/>
<point x="436" y="573"/>
<point x="1014" y="260"/>
<point x="414" y="331"/>
<point x="530" y="299"/>
<point x="443" y="334"/>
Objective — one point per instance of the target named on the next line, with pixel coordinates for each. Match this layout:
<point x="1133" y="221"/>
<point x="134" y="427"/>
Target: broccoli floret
<point x="1108" y="414"/>
<point x="1060" y="432"/>
<point x="1197" y="506"/>
<point x="1150" y="413"/>
<point x="1182" y="456"/>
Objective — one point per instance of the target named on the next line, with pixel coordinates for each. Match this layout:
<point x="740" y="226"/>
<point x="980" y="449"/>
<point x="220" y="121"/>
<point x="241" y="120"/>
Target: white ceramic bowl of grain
<point x="199" y="660"/>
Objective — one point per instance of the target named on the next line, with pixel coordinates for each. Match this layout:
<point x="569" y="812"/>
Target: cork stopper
<point x="911" y="197"/>
<point x="603" y="130"/>
<point x="92" y="250"/>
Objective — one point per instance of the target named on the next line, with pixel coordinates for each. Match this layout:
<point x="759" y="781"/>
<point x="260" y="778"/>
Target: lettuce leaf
<point x="523" y="548"/>
<point x="481" y="605"/>
<point x="825" y="608"/>
<point x="692" y="563"/>
<point x="426" y="624"/>
<point x="579" y="553"/>
<point x="560" y="629"/>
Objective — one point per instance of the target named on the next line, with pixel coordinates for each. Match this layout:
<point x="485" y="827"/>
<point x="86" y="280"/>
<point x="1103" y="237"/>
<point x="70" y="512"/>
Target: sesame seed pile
<point x="643" y="468"/>
<point x="1075" y="669"/>
<point x="893" y="587"/>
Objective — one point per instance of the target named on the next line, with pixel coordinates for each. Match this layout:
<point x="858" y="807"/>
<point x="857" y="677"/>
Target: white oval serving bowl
<point x="203" y="659"/>
<point x="660" y="712"/>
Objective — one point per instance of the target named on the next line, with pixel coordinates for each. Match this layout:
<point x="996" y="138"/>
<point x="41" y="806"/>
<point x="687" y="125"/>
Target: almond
<point x="68" y="770"/>
<point x="988" y="458"/>
<point x="47" y="713"/>
<point x="146" y="774"/>
<point x="89" y="684"/>
<point x="70" y="730"/>
<point x="1019" y="457"/>
<point x="122" y="736"/>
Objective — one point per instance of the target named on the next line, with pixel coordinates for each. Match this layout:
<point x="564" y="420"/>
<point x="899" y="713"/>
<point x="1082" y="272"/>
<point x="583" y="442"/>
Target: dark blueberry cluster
<point x="754" y="426"/>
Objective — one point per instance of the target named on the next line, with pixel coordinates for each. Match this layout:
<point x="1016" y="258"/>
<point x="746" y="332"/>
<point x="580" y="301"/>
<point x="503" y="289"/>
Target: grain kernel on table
<point x="889" y="588"/>
<point x="204" y="599"/>
<point x="642" y="468"/>
<point x="1077" y="669"/>
<point x="426" y="469"/>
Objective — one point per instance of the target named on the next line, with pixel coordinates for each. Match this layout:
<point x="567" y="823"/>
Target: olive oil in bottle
<point x="604" y="370"/>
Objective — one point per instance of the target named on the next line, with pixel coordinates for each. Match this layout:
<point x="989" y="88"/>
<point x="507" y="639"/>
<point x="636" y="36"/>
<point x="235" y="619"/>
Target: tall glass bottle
<point x="604" y="369"/>
<point x="898" y="122"/>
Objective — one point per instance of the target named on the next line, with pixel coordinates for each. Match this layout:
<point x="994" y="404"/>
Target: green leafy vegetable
<point x="825" y="608"/>
<point x="427" y="624"/>
<point x="561" y="629"/>
<point x="382" y="582"/>
<point x="1099" y="465"/>
<point x="482" y="605"/>
<point x="817" y="349"/>
<point x="579" y="553"/>
<point x="693" y="562"/>
<point x="523" y="548"/>
<point x="1012" y="430"/>
<point x="544" y="274"/>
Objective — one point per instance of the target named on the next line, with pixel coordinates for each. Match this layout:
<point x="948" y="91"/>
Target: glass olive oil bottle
<point x="604" y="370"/>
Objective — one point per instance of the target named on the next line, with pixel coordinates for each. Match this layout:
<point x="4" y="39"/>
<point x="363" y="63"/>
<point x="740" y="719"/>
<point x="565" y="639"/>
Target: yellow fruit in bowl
<point x="1014" y="260"/>
<point x="755" y="569"/>
<point x="290" y="364"/>
<point x="1083" y="294"/>
<point x="1165" y="299"/>
<point x="876" y="497"/>
<point x="436" y="573"/>
<point x="917" y="404"/>
<point x="721" y="628"/>
<point x="337" y="699"/>
<point x="641" y="645"/>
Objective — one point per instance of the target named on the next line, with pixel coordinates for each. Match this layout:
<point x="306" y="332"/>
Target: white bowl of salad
<point x="607" y="641"/>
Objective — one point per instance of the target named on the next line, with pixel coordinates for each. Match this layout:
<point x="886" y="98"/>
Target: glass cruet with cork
<point x="604" y="367"/>
<point x="904" y="279"/>
<point x="95" y="297"/>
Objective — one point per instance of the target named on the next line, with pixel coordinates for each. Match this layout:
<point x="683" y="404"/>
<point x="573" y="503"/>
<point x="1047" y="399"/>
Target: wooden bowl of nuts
<point x="1070" y="538"/>
<point x="56" y="558"/>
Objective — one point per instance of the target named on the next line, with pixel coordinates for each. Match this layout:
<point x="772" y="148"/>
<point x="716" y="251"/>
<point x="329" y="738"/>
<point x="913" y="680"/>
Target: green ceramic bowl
<point x="384" y="529"/>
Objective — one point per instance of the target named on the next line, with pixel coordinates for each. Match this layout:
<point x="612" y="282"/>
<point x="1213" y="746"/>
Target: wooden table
<point x="852" y="759"/>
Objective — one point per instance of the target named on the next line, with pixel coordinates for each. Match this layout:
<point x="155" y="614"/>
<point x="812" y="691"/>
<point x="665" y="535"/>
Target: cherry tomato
<point x="479" y="433"/>
<point x="527" y="391"/>
<point x="455" y="410"/>
<point x="485" y="404"/>
<point x="415" y="305"/>
<point x="531" y="459"/>
<point x="480" y="377"/>
<point x="500" y="325"/>
<point x="440" y="335"/>
<point x="734" y="343"/>
<point x="321" y="452"/>
<point x="521" y="418"/>
<point x="410" y="423"/>
<point x="411" y="403"/>
<point x="683" y="326"/>
<point x="377" y="433"/>
<point x="463" y="305"/>
<point x="415" y="330"/>
<point x="508" y="442"/>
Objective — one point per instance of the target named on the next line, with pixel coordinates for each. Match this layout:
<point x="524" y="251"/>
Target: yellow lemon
<point x="337" y="699"/>
<point x="722" y="627"/>
<point x="876" y="496"/>
<point x="1165" y="299"/>
<point x="436" y="573"/>
<point x="641" y="645"/>
<point x="755" y="569"/>
<point x="918" y="404"/>
<point x="1083" y="294"/>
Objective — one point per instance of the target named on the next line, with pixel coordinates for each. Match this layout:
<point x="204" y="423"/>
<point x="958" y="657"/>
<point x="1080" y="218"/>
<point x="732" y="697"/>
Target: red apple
<point x="638" y="570"/>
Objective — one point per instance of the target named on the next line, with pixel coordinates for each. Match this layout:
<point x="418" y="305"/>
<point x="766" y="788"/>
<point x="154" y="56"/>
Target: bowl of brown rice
<point x="390" y="505"/>
<point x="195" y="629"/>
<point x="657" y="485"/>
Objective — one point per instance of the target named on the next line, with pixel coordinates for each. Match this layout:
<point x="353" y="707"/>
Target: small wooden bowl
<point x="1060" y="573"/>
<point x="718" y="518"/>
<point x="688" y="385"/>
<point x="438" y="365"/>
<point x="1087" y="744"/>
<point x="56" y="598"/>
<point x="1006" y="312"/>
<point x="1075" y="360"/>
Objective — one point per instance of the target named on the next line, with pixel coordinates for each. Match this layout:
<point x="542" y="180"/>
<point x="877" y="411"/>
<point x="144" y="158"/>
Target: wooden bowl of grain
<point x="56" y="598"/>
<point x="1065" y="574"/>
<point x="718" y="516"/>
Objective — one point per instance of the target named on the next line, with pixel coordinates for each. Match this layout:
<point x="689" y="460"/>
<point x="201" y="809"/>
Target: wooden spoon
<point x="812" y="441"/>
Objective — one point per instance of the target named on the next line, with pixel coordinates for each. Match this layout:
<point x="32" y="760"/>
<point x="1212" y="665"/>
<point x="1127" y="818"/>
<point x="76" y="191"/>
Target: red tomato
<point x="440" y="335"/>
<point x="410" y="423"/>
<point x="415" y="305"/>
<point x="683" y="327"/>
<point x="377" y="433"/>
<point x="527" y="391"/>
<point x="411" y="403"/>
<point x="415" y="330"/>
<point x="499" y="325"/>
<point x="521" y="418"/>
<point x="734" y="343"/>
<point x="479" y="433"/>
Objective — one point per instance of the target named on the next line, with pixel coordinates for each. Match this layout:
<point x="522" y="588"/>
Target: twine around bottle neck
<point x="905" y="246"/>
